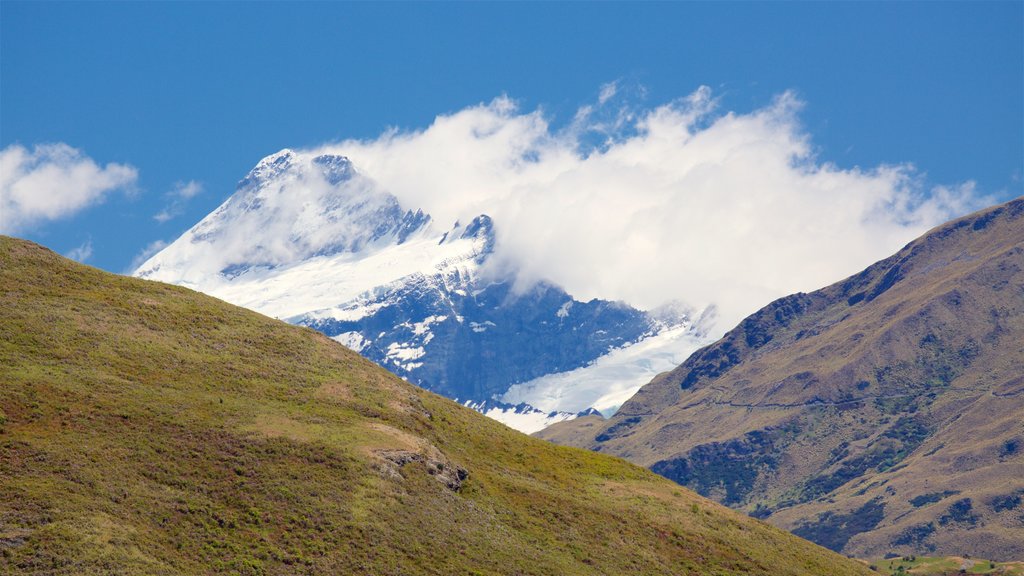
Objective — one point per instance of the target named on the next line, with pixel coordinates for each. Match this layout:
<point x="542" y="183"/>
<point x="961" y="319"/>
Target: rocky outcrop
<point x="436" y="465"/>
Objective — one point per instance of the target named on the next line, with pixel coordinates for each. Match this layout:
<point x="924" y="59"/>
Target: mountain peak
<point x="335" y="168"/>
<point x="291" y="206"/>
<point x="479" y="227"/>
<point x="268" y="168"/>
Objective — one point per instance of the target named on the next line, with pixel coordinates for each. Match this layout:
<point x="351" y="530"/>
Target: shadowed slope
<point x="884" y="412"/>
<point x="150" y="429"/>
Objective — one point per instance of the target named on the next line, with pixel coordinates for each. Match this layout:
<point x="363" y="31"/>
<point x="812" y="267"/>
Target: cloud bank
<point x="680" y="201"/>
<point x="53" y="181"/>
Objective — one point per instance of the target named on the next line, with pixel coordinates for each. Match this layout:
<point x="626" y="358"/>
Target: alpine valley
<point x="884" y="413"/>
<point x="308" y="239"/>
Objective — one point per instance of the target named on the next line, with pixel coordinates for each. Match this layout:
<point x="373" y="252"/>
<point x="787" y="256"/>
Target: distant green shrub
<point x="834" y="530"/>
<point x="1007" y="502"/>
<point x="915" y="535"/>
<point x="959" y="511"/>
<point x="931" y="497"/>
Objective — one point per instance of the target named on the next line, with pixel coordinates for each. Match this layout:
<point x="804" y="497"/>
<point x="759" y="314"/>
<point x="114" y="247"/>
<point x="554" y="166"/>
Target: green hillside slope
<point x="882" y="413"/>
<point x="148" y="429"/>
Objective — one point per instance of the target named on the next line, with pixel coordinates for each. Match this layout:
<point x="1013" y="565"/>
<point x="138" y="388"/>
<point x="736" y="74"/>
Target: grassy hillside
<point x="148" y="429"/>
<point x="882" y="413"/>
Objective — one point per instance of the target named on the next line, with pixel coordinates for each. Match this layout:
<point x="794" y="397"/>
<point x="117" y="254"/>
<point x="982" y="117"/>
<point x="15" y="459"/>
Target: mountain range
<point x="883" y="413"/>
<point x="149" y="429"/>
<point x="309" y="239"/>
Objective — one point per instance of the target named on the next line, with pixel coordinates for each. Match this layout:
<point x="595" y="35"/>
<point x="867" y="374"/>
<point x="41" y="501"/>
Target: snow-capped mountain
<point x="309" y="239"/>
<point x="288" y="210"/>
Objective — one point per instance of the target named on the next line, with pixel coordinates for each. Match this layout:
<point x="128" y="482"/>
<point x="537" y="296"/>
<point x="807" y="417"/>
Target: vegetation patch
<point x="618" y="428"/>
<point x="891" y="277"/>
<point x="759" y="328"/>
<point x="710" y="362"/>
<point x="960" y="512"/>
<point x="939" y="360"/>
<point x="1006" y="502"/>
<point x="896" y="405"/>
<point x="725" y="469"/>
<point x="1009" y="448"/>
<point x="931" y="498"/>
<point x="833" y="530"/>
<point x="915" y="536"/>
<point x="891" y="447"/>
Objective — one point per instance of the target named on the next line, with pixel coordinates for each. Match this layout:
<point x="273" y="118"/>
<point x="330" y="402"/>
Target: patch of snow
<point x="563" y="312"/>
<point x="611" y="379"/>
<point x="398" y="351"/>
<point x="352" y="340"/>
<point x="480" y="326"/>
<point x="420" y="328"/>
<point x="400" y="355"/>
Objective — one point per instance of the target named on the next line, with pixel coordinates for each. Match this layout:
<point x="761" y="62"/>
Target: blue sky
<point x="191" y="95"/>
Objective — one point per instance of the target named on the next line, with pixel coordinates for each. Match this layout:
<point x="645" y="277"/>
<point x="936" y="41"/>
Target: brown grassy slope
<point x="884" y="412"/>
<point x="148" y="429"/>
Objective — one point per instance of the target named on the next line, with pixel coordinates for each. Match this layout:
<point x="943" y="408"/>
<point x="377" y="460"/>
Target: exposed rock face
<point x="436" y="465"/>
<point x="882" y="413"/>
<point x="472" y="341"/>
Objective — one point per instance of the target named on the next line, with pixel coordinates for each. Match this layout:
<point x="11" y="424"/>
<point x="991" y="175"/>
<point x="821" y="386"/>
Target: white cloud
<point x="53" y="181"/>
<point x="81" y="253"/>
<point x="607" y="92"/>
<point x="187" y="190"/>
<point x="678" y="201"/>
<point x="150" y="249"/>
<point x="179" y="195"/>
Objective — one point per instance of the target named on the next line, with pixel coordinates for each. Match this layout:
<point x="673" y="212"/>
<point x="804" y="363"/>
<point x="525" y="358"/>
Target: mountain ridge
<point x="877" y="414"/>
